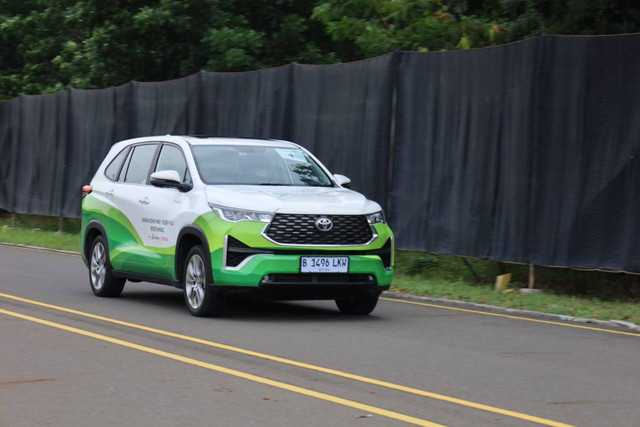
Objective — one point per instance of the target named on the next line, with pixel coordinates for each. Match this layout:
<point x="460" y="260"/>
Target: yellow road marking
<point x="244" y="375"/>
<point x="508" y="316"/>
<point x="308" y="366"/>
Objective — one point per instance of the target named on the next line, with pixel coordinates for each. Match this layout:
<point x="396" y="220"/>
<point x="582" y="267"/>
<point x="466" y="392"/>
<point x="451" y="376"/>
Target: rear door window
<point x="139" y="164"/>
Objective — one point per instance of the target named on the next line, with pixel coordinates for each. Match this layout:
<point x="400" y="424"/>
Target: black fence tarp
<point x="39" y="145"/>
<point x="526" y="152"/>
<point x="342" y="113"/>
<point x="7" y="160"/>
<point x="586" y="179"/>
<point x="251" y="104"/>
<point x="463" y="151"/>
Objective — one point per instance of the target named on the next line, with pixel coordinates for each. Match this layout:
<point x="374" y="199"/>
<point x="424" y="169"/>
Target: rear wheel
<point x="103" y="284"/>
<point x="357" y="306"/>
<point x="198" y="294"/>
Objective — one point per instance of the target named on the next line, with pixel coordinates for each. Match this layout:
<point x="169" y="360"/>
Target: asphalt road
<point x="70" y="358"/>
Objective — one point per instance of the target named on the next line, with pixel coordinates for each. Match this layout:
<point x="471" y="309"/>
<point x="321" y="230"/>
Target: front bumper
<point x="274" y="270"/>
<point x="253" y="271"/>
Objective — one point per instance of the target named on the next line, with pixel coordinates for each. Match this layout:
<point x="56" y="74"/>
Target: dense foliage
<point x="48" y="45"/>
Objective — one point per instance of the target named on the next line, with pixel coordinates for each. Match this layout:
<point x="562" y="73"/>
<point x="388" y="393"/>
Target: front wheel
<point x="103" y="284"/>
<point x="357" y="306"/>
<point x="198" y="295"/>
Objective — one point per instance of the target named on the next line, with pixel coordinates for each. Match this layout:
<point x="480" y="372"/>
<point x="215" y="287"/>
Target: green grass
<point x="37" y="230"/>
<point x="45" y="239"/>
<point x="592" y="294"/>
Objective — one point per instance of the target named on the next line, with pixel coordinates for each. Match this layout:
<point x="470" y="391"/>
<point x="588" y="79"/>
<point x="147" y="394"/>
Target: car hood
<point x="287" y="199"/>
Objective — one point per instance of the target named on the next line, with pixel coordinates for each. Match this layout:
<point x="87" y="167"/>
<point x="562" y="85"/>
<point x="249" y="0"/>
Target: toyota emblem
<point x="324" y="224"/>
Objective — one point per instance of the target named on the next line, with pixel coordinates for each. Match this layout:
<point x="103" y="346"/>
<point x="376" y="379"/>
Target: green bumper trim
<point x="127" y="253"/>
<point x="260" y="265"/>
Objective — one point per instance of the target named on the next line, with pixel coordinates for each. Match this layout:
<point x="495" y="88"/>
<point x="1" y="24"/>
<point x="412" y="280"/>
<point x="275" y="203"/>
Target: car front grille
<point x="297" y="229"/>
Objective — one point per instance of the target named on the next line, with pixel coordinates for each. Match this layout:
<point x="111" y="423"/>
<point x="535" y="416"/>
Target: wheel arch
<point x="94" y="229"/>
<point x="189" y="236"/>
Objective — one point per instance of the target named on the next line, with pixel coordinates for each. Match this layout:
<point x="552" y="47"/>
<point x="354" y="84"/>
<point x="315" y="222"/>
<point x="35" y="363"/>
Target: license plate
<point x="324" y="264"/>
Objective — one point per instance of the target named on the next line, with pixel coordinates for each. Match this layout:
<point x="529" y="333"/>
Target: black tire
<point x="196" y="284"/>
<point x="357" y="306"/>
<point x="101" y="279"/>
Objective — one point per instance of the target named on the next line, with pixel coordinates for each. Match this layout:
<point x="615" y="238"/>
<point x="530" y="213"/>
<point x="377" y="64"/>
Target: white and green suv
<point x="219" y="217"/>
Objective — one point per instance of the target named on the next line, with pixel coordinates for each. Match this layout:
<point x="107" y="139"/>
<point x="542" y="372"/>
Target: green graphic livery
<point x="127" y="253"/>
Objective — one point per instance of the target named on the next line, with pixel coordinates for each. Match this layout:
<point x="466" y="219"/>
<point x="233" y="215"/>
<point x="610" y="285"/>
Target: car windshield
<point x="258" y="165"/>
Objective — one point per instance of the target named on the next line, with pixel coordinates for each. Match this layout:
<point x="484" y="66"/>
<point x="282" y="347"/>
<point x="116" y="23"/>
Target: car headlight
<point x="235" y="215"/>
<point x="376" y="217"/>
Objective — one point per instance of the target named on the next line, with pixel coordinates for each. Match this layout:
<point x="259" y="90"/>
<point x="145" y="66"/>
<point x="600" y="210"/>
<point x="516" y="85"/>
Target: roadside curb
<point x="60" y="251"/>
<point x="609" y="323"/>
<point x="617" y="324"/>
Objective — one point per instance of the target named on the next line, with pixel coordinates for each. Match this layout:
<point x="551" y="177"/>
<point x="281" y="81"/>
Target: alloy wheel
<point x="98" y="266"/>
<point x="195" y="281"/>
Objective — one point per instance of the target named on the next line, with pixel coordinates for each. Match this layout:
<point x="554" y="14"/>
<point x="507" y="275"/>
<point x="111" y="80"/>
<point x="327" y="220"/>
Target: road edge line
<point x="40" y="248"/>
<point x="452" y="304"/>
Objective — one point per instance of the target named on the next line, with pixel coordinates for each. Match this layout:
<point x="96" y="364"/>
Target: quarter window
<point x="125" y="167"/>
<point x="140" y="163"/>
<point x="112" y="170"/>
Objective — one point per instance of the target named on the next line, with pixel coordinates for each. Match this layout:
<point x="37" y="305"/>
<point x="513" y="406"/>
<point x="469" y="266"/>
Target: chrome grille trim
<point x="374" y="234"/>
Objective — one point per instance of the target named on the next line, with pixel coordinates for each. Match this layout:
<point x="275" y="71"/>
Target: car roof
<point x="220" y="140"/>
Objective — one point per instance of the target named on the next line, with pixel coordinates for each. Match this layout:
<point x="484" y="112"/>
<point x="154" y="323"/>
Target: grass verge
<point x="39" y="237"/>
<point x="594" y="294"/>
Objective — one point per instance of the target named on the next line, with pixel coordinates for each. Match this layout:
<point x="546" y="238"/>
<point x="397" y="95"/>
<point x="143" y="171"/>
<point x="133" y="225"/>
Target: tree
<point x="48" y="45"/>
<point x="528" y="18"/>
<point x="380" y="26"/>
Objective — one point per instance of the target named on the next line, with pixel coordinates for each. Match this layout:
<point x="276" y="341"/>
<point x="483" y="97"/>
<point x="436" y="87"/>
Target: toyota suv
<point x="219" y="217"/>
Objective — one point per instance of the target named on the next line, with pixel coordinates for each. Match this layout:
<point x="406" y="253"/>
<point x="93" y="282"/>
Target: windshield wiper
<point x="274" y="184"/>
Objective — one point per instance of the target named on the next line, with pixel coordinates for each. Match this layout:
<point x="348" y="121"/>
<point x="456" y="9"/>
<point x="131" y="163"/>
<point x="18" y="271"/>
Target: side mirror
<point x="168" y="178"/>
<point x="342" y="180"/>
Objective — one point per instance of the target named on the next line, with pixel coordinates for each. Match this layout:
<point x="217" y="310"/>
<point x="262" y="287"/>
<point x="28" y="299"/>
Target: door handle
<point x="109" y="193"/>
<point x="144" y="201"/>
